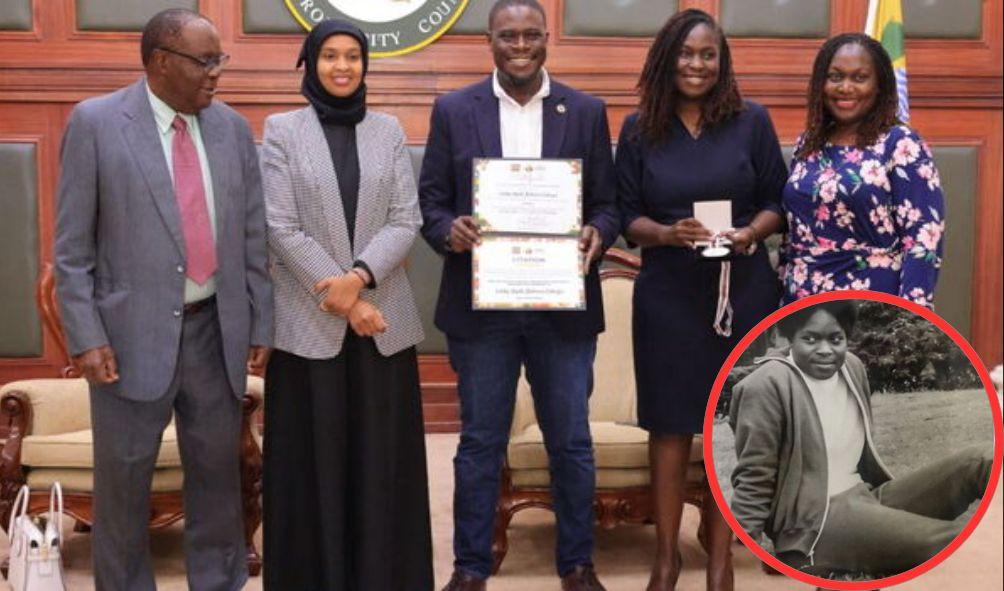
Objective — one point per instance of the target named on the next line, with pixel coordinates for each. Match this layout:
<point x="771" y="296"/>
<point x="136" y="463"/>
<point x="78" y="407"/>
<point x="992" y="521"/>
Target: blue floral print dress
<point x="869" y="218"/>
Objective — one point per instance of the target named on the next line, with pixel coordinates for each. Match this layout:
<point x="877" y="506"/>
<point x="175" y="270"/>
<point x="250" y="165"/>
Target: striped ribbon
<point x="723" y="315"/>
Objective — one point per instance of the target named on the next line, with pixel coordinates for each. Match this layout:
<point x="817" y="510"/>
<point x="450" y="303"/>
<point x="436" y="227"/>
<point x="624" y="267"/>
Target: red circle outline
<point x="760" y="328"/>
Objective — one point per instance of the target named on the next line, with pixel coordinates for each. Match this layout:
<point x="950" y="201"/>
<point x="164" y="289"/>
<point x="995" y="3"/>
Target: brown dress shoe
<point x="582" y="578"/>
<point x="461" y="581"/>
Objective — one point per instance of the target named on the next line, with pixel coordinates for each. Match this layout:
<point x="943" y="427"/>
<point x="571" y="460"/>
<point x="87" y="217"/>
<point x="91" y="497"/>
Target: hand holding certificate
<point x="530" y="215"/>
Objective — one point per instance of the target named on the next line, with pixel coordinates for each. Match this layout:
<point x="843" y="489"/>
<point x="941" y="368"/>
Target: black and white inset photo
<point x="854" y="440"/>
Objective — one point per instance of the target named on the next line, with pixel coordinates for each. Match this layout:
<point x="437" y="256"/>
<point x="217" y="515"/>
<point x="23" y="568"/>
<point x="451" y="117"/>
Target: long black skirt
<point x="345" y="485"/>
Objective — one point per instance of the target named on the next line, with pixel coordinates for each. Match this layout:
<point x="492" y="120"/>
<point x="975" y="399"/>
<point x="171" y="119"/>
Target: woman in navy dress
<point x="693" y="139"/>
<point x="864" y="201"/>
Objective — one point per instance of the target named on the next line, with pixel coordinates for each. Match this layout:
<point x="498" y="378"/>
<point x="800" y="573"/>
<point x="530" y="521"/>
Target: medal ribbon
<point x="723" y="315"/>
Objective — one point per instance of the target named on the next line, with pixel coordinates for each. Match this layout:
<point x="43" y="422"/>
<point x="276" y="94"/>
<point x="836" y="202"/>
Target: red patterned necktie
<point x="191" y="195"/>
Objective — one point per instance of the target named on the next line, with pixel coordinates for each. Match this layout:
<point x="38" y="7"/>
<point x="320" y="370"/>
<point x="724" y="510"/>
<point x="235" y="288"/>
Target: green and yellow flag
<point x="885" y="24"/>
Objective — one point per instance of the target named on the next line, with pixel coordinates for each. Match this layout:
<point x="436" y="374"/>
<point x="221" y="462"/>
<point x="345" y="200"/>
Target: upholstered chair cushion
<point x="76" y="450"/>
<point x="256" y="387"/>
<point x="58" y="405"/>
<point x="620" y="447"/>
<point x="606" y="478"/>
<point x="614" y="446"/>
<point x="81" y="480"/>
<point x="613" y="399"/>
<point x="621" y="455"/>
<point x="61" y="442"/>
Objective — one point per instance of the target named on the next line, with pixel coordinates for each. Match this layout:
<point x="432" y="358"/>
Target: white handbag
<point x="35" y="563"/>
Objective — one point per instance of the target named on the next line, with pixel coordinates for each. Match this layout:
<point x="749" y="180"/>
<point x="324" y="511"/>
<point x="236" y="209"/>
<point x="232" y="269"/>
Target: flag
<point x="885" y="24"/>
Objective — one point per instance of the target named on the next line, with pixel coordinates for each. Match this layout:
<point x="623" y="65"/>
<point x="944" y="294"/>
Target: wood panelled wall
<point x="955" y="94"/>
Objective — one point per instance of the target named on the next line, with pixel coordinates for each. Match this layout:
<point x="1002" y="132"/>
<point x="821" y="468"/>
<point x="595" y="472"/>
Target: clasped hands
<point x="465" y="234"/>
<point x="687" y="232"/>
<point x="341" y="298"/>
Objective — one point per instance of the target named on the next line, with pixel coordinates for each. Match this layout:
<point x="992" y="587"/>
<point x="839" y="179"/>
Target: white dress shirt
<point x="521" y="126"/>
<point x="164" y="115"/>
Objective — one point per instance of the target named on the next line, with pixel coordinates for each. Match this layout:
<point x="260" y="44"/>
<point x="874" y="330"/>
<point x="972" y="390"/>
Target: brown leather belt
<point x="194" y="307"/>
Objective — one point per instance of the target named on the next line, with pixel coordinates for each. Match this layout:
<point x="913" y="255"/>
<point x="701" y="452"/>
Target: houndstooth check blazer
<point x="308" y="238"/>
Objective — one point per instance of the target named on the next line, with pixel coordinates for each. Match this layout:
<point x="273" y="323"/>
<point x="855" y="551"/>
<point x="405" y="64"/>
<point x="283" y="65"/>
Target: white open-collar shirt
<point x="521" y="126"/>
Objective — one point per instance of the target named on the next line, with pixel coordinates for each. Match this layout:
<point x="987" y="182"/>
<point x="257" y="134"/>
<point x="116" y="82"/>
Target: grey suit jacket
<point x="119" y="251"/>
<point x="309" y="239"/>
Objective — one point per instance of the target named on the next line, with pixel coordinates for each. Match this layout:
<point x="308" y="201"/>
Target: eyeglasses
<point x="208" y="64"/>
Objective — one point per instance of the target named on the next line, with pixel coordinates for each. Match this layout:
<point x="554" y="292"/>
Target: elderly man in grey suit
<point x="165" y="297"/>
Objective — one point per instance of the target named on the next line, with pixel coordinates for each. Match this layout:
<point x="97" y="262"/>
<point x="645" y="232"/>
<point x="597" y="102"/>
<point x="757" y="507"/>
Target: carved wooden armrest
<point x="58" y="405"/>
<point x="250" y="440"/>
<point x="16" y="415"/>
<point x="622" y="257"/>
<point x="251" y="475"/>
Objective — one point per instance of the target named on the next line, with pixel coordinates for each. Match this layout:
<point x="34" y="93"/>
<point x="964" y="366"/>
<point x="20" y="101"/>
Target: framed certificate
<point x="533" y="196"/>
<point x="530" y="215"/>
<point x="512" y="272"/>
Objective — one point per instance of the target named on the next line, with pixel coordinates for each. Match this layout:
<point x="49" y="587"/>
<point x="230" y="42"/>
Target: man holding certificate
<point x="517" y="192"/>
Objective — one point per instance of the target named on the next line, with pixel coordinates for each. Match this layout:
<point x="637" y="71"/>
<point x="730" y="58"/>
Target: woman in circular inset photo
<point x="857" y="444"/>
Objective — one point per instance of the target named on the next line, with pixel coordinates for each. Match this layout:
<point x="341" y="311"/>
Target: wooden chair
<point x="623" y="493"/>
<point x="48" y="422"/>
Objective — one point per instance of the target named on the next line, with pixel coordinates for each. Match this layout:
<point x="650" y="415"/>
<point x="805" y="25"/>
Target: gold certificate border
<point x="478" y="166"/>
<point x="481" y="306"/>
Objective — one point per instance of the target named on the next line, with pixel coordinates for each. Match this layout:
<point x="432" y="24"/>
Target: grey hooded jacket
<point x="780" y="481"/>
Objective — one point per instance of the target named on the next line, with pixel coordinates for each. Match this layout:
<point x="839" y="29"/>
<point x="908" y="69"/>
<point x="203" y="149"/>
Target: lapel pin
<point x="561" y="108"/>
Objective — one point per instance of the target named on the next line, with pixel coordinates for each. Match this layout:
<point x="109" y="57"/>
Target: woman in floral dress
<point x="863" y="201"/>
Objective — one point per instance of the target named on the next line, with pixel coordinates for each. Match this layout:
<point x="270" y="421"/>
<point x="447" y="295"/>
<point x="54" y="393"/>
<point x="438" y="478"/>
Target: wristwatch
<point x="446" y="243"/>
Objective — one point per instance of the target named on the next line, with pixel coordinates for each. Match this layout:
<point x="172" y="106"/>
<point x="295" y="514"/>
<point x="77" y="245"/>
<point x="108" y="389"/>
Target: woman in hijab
<point x="345" y="487"/>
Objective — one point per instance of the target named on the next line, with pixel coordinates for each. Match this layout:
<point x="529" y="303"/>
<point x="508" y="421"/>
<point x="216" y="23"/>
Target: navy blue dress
<point x="677" y="352"/>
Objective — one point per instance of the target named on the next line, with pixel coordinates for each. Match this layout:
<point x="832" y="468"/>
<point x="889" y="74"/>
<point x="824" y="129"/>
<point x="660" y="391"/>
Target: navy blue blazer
<point x="464" y="126"/>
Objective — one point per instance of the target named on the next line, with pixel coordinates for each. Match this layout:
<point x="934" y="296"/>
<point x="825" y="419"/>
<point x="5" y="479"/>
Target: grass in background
<point x="910" y="430"/>
<point x="916" y="428"/>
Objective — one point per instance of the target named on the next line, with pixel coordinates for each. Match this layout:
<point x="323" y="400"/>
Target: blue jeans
<point x="560" y="373"/>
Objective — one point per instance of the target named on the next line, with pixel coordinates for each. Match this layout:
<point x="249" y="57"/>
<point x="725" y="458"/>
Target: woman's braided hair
<point x="657" y="84"/>
<point x="819" y="123"/>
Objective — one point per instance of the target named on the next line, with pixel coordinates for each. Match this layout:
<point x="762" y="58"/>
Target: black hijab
<point x="348" y="110"/>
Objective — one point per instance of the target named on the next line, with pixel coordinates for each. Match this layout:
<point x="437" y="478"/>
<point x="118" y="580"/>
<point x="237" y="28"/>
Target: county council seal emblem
<point x="393" y="27"/>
